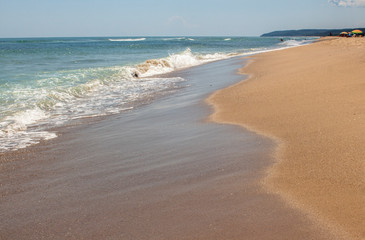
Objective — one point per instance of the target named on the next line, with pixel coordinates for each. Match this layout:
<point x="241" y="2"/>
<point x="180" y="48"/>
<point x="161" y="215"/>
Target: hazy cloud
<point x="348" y="3"/>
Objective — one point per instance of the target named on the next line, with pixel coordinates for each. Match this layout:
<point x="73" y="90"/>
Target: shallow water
<point x="50" y="82"/>
<point x="157" y="172"/>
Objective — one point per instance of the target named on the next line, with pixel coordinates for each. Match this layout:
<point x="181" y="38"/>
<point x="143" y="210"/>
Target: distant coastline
<point x="309" y="32"/>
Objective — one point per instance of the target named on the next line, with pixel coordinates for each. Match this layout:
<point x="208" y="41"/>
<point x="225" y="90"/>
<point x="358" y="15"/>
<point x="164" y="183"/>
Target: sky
<point x="77" y="18"/>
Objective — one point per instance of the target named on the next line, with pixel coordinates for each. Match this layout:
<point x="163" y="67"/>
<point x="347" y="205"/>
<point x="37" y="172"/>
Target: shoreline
<point x="108" y="90"/>
<point x="309" y="103"/>
<point x="158" y="172"/>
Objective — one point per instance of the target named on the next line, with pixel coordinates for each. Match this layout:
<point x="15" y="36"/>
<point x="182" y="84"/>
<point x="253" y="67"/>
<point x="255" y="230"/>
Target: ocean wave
<point x="49" y="40"/>
<point x="75" y="94"/>
<point x="175" y="62"/>
<point x="227" y="39"/>
<point x="178" y="39"/>
<point x="295" y="43"/>
<point x="21" y="120"/>
<point x="108" y="91"/>
<point x="174" y="38"/>
<point x="14" y="132"/>
<point x="57" y="97"/>
<point x="127" y="39"/>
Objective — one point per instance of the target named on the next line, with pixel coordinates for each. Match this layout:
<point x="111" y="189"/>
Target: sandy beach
<point x="161" y="171"/>
<point x="310" y="101"/>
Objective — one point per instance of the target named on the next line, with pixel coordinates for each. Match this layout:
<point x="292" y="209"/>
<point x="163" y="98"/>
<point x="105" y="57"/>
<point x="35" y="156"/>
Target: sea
<point x="47" y="83"/>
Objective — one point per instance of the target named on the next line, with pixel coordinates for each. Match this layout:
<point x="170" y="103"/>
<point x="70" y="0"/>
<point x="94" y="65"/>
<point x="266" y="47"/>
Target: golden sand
<point x="311" y="100"/>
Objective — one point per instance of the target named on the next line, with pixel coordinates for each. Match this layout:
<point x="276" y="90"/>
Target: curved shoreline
<point x="158" y="172"/>
<point x="307" y="100"/>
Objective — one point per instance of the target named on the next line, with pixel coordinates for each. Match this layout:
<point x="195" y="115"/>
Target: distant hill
<point x="309" y="32"/>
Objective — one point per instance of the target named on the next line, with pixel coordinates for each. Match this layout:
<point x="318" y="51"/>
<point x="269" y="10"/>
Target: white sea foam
<point x="14" y="132"/>
<point x="294" y="43"/>
<point x="20" y="120"/>
<point x="227" y="39"/>
<point x="175" y="62"/>
<point x="109" y="94"/>
<point x="172" y="39"/>
<point x="107" y="91"/>
<point x="127" y="39"/>
<point x="23" y="139"/>
<point x="67" y="95"/>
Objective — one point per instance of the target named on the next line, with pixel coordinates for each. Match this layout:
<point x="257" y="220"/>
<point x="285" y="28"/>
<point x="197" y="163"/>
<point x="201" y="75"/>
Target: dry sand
<point x="311" y="101"/>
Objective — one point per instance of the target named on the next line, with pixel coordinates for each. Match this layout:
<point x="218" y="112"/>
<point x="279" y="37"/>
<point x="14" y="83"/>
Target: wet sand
<point x="161" y="171"/>
<point x="310" y="100"/>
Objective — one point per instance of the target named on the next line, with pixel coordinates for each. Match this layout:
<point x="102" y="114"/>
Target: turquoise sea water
<point x="49" y="82"/>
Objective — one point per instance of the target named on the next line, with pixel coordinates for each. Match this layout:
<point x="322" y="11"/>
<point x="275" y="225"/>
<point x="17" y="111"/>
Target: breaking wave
<point x="127" y="39"/>
<point x="28" y="110"/>
<point x="63" y="96"/>
<point x="175" y="62"/>
<point x="295" y="43"/>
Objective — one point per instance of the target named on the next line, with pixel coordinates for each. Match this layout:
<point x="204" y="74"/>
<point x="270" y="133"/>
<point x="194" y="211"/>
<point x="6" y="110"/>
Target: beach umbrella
<point x="358" y="32"/>
<point x="344" y="34"/>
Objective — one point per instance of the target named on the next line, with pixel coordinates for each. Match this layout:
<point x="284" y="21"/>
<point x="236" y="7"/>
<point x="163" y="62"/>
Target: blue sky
<point x="49" y="18"/>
